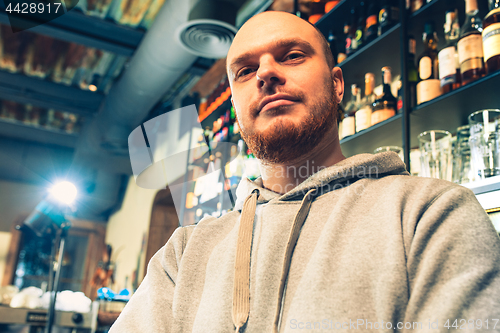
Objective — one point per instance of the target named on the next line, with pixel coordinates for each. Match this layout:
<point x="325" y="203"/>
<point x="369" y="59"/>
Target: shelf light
<point x="215" y="104"/>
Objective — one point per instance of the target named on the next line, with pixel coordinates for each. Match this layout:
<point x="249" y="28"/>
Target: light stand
<point x="48" y="218"/>
<point x="53" y="291"/>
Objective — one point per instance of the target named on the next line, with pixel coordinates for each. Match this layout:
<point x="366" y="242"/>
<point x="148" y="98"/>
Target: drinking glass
<point x="462" y="171"/>
<point x="435" y="154"/>
<point x="484" y="142"/>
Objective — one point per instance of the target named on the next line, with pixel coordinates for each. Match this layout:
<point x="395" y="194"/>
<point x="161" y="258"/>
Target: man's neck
<point x="281" y="178"/>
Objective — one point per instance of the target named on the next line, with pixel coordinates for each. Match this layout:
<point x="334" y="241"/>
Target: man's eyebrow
<point x="280" y="44"/>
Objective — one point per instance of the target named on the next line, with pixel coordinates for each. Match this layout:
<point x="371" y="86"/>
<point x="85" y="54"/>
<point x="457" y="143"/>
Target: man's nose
<point x="269" y="74"/>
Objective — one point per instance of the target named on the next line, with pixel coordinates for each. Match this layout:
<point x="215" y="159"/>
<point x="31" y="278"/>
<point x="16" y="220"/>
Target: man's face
<point x="282" y="87"/>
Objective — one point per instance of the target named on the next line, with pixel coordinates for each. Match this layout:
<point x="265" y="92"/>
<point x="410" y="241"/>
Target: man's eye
<point x="245" y="71"/>
<point x="294" y="55"/>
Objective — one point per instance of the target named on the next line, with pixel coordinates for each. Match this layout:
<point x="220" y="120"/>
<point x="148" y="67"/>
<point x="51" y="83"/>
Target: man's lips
<point x="276" y="100"/>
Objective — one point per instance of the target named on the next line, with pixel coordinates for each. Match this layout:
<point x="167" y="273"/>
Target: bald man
<point x="319" y="242"/>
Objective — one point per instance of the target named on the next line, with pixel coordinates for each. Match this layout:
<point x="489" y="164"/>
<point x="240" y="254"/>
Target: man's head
<point x="284" y="87"/>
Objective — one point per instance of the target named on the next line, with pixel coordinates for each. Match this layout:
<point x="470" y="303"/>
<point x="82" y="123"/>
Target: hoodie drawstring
<point x="300" y="217"/>
<point x="241" y="291"/>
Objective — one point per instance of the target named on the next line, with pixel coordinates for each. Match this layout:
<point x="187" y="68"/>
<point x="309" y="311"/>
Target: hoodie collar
<point x="352" y="168"/>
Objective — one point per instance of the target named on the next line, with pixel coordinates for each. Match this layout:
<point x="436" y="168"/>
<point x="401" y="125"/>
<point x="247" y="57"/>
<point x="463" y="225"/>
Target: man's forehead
<point x="266" y="28"/>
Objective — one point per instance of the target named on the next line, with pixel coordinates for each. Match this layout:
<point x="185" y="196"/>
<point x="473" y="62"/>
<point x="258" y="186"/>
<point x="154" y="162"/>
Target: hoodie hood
<point x="348" y="170"/>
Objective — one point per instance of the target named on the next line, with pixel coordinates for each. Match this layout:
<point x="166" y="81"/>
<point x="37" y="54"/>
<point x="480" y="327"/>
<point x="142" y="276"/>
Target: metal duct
<point x="156" y="65"/>
<point x="210" y="29"/>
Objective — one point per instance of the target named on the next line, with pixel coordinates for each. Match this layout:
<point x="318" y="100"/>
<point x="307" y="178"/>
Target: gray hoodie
<point x="358" y="246"/>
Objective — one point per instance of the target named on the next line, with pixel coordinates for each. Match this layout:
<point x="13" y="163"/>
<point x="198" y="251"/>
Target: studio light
<point x="64" y="192"/>
<point x="51" y="211"/>
<point x="49" y="219"/>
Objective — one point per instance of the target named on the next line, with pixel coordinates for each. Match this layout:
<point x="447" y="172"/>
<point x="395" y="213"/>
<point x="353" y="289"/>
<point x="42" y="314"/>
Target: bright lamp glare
<point x="64" y="192"/>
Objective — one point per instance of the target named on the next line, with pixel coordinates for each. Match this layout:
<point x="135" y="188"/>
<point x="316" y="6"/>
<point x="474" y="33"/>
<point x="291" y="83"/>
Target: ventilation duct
<point x="210" y="29"/>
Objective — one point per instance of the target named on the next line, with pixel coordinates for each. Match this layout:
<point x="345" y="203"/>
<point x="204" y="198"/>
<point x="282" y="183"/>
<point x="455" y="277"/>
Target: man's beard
<point x="287" y="141"/>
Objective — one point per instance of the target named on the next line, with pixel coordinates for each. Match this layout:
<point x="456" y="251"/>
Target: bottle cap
<point x="370" y="79"/>
<point x="470" y="6"/>
<point x="412" y="45"/>
<point x="354" y="89"/>
<point x="429" y="27"/>
<point x="369" y="83"/>
<point x="448" y="21"/>
<point x="387" y="74"/>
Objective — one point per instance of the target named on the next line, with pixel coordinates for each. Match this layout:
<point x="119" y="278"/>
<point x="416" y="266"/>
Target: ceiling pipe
<point x="156" y="65"/>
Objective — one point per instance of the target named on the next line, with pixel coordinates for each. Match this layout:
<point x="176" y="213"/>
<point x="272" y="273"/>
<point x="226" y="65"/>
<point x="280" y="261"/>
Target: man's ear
<point x="338" y="84"/>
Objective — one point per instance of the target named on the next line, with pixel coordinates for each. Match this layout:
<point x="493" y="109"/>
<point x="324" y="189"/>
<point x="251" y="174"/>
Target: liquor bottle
<point x="447" y="57"/>
<point x="388" y="16"/>
<point x="371" y="27"/>
<point x="345" y="36"/>
<point x="385" y="106"/>
<point x="470" y="45"/>
<point x="350" y="41"/>
<point x="458" y="76"/>
<point x="360" y="29"/>
<point x="399" y="107"/>
<point x="491" y="37"/>
<point x="342" y="56"/>
<point x="412" y="70"/>
<point x="340" y="120"/>
<point x="317" y="9"/>
<point x="235" y="169"/>
<point x="348" y="123"/>
<point x="252" y="168"/>
<point x="429" y="86"/>
<point x="412" y="79"/>
<point x="416" y="5"/>
<point x="329" y="5"/>
<point x="332" y="41"/>
<point x="364" y="114"/>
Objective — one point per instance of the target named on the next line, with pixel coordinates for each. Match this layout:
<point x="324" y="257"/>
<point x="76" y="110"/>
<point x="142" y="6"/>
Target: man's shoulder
<point x="211" y="221"/>
<point x="413" y="189"/>
<point x="423" y="183"/>
<point x="207" y="227"/>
